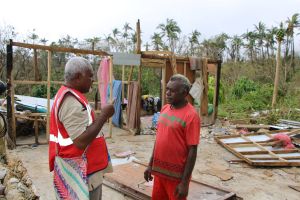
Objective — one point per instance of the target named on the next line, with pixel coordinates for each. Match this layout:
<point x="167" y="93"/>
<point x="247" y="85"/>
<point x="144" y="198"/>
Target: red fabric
<point x="164" y="189"/>
<point x="285" y="139"/>
<point x="97" y="154"/>
<point x="176" y="130"/>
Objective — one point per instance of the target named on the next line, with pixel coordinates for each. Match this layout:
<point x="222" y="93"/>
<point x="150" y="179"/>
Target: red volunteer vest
<point x="97" y="154"/>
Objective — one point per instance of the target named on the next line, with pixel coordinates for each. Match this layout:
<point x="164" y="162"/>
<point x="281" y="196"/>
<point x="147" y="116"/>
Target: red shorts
<point x="164" y="189"/>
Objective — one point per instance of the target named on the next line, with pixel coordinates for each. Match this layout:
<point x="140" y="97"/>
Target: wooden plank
<point x="48" y="93"/>
<point x="60" y="49"/>
<point x="153" y="63"/>
<point x="266" y="152"/>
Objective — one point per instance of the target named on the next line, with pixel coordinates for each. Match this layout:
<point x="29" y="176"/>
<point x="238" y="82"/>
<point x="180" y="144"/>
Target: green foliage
<point x="243" y="86"/>
<point x="41" y="91"/>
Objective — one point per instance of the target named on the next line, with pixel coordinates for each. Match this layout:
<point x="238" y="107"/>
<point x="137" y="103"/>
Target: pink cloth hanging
<point x="103" y="79"/>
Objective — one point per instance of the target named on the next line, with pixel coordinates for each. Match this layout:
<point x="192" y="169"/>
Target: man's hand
<point x="147" y="174"/>
<point x="182" y="190"/>
<point x="108" y="110"/>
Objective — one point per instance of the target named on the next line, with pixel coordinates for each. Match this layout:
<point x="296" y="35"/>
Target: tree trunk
<point x="276" y="81"/>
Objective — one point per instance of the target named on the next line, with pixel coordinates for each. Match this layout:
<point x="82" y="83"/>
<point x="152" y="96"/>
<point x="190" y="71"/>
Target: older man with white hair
<point x="77" y="149"/>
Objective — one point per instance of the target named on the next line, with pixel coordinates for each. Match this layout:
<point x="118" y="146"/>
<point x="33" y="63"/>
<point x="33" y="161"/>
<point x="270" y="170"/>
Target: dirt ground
<point x="211" y="167"/>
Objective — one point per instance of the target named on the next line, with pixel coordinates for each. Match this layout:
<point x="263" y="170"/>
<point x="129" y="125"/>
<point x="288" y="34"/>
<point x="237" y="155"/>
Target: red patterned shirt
<point x="176" y="130"/>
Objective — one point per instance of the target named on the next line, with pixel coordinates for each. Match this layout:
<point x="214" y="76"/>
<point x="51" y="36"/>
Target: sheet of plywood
<point x="129" y="179"/>
<point x="255" y="150"/>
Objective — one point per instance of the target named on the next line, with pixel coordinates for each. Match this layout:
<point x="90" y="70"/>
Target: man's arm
<point x="147" y="173"/>
<point x="92" y="131"/>
<point x="183" y="187"/>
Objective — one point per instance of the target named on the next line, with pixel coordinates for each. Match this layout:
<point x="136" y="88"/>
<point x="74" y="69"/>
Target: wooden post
<point x="35" y="66"/>
<point x="48" y="93"/>
<point x="184" y="68"/>
<point x="276" y="81"/>
<point x="163" y="85"/>
<point x="138" y="51"/>
<point x="123" y="77"/>
<point x="129" y="79"/>
<point x="110" y="92"/>
<point x="36" y="130"/>
<point x="204" y="102"/>
<point x="138" y="37"/>
<point x="11" y="141"/>
<point x="217" y="89"/>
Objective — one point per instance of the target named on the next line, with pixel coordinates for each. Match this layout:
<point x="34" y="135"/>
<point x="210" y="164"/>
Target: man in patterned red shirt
<point x="175" y="150"/>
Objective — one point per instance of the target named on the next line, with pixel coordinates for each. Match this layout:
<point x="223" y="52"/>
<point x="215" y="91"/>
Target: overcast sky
<point x="54" y="19"/>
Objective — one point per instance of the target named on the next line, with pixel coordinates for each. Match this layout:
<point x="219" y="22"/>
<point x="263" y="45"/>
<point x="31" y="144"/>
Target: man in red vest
<point x="74" y="130"/>
<point x="175" y="148"/>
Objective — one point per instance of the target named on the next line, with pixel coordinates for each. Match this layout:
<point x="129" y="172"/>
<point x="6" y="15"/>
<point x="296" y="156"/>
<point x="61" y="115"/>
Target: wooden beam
<point x="60" y="49"/>
<point x="184" y="68"/>
<point x="48" y="93"/>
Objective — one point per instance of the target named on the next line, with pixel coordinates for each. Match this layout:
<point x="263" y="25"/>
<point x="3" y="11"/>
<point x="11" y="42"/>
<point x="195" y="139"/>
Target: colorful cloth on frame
<point x="103" y="79"/>
<point x="177" y="129"/>
<point x="70" y="178"/>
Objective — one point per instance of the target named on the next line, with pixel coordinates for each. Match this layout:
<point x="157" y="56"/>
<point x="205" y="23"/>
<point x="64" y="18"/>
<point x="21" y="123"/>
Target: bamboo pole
<point x="48" y="93"/>
<point x="111" y="92"/>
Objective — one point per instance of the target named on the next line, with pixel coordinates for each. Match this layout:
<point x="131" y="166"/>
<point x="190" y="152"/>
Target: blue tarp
<point x="117" y="95"/>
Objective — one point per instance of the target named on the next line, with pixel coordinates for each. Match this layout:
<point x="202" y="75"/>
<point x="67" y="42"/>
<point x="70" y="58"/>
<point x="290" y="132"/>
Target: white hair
<point x="183" y="79"/>
<point x="76" y="65"/>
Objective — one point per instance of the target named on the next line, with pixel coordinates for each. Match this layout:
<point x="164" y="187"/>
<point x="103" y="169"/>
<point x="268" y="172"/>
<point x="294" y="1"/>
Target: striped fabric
<point x="70" y="178"/>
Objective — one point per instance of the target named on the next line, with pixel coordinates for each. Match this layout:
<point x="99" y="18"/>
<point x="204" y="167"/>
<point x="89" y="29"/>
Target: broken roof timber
<point x="60" y="49"/>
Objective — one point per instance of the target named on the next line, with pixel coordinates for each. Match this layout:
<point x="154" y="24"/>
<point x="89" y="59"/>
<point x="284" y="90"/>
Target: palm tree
<point x="270" y="40"/>
<point x="171" y="30"/>
<point x="43" y="41"/>
<point x="33" y="36"/>
<point x="290" y="44"/>
<point x="93" y="41"/>
<point x="194" y="39"/>
<point x="125" y="34"/>
<point x="250" y="37"/>
<point x="157" y="41"/>
<point x="279" y="37"/>
<point x="236" y="44"/>
<point x="260" y="29"/>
